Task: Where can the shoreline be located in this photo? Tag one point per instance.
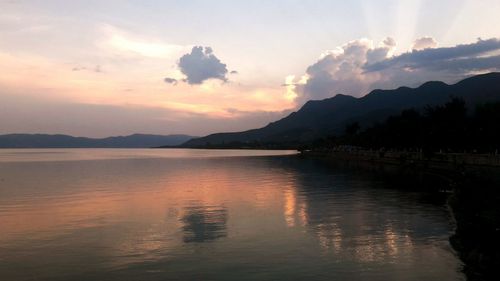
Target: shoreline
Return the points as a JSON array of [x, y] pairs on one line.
[[472, 194]]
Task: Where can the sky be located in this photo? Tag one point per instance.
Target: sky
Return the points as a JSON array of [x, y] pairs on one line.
[[102, 68]]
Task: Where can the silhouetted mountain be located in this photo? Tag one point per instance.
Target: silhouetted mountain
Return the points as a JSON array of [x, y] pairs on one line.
[[65, 141], [318, 118]]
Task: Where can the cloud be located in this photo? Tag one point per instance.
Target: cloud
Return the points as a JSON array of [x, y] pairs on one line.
[[233, 72], [97, 68], [358, 66], [200, 65], [341, 70], [424, 43], [424, 58], [466, 64], [170, 80], [122, 43]]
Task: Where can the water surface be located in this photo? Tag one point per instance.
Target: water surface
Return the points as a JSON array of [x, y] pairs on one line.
[[133, 214]]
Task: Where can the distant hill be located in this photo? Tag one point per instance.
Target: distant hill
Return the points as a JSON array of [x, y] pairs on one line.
[[65, 141], [318, 118]]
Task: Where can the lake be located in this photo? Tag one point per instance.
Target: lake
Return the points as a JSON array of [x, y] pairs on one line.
[[173, 214]]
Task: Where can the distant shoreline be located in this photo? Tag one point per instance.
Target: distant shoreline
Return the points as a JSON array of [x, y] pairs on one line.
[[66, 141], [441, 160]]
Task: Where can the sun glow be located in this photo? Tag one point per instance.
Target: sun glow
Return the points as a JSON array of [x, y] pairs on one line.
[[290, 94], [120, 41]]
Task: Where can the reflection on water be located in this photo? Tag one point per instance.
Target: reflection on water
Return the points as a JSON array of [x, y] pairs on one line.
[[130, 215], [204, 224]]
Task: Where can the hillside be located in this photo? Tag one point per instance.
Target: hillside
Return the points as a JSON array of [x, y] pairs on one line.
[[318, 118], [65, 141]]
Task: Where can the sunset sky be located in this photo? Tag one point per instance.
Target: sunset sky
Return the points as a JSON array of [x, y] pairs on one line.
[[101, 68]]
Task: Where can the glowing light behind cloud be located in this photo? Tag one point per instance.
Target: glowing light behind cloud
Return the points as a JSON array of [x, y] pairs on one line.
[[146, 49]]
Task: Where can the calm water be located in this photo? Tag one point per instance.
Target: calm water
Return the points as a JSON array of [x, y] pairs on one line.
[[118, 214]]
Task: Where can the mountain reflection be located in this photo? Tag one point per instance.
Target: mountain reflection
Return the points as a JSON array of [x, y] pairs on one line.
[[204, 224]]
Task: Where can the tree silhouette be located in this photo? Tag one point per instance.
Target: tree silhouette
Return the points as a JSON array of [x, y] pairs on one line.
[[446, 128]]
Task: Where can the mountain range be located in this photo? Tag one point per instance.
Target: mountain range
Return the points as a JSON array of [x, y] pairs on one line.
[[318, 118], [65, 141]]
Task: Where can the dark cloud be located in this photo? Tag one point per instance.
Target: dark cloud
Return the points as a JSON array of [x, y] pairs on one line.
[[421, 59], [170, 80], [200, 65], [467, 64], [233, 72]]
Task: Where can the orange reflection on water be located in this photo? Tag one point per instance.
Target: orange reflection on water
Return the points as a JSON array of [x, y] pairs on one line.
[[289, 208], [156, 201], [294, 208], [172, 215]]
